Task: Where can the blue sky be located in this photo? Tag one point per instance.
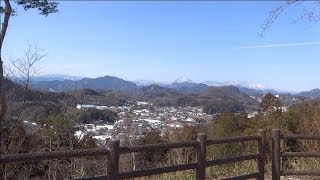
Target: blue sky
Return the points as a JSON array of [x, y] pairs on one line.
[[163, 41]]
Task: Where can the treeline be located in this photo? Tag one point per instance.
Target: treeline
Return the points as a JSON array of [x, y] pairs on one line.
[[213, 99]]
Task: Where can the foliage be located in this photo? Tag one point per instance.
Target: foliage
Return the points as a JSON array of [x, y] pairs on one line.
[[92, 116], [150, 159], [269, 103], [232, 169], [44, 6]]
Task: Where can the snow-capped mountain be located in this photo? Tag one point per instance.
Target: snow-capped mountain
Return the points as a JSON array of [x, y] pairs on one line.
[[251, 85], [54, 77], [215, 83], [247, 84], [144, 82], [187, 81], [150, 82], [182, 84], [183, 79]]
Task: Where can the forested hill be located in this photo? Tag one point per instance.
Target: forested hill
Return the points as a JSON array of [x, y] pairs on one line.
[[311, 93], [35, 103], [100, 83]]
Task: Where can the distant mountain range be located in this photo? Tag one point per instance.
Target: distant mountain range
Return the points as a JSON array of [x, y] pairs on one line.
[[246, 84], [311, 94], [60, 83], [100, 83], [55, 77], [214, 99], [110, 90], [183, 79]]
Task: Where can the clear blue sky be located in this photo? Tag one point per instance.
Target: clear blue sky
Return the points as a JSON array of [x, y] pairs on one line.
[[165, 40]]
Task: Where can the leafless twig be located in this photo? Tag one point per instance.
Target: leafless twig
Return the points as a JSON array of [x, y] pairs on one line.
[[273, 16]]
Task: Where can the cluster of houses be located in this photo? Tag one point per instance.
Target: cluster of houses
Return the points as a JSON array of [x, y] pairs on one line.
[[138, 118], [141, 117]]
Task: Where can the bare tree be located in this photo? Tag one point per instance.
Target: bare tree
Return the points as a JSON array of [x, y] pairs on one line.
[[45, 8], [22, 70]]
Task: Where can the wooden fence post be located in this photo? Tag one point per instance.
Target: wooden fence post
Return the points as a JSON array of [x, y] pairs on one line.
[[113, 160], [276, 154], [201, 156], [261, 151]]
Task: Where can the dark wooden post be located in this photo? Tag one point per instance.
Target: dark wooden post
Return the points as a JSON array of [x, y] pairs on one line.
[[275, 154], [201, 156], [261, 151], [113, 160]]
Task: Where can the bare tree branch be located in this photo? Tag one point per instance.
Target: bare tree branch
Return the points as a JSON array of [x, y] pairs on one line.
[[309, 13], [25, 69], [273, 16]]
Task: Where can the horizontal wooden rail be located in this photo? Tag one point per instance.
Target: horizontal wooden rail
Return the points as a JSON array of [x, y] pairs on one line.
[[301, 136], [95, 178], [277, 171], [232, 159], [157, 147], [300, 154], [232, 139], [156, 171], [36, 156], [301, 173], [114, 151], [246, 176]]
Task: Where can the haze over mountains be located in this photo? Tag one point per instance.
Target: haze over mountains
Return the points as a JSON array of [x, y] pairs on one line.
[[60, 83]]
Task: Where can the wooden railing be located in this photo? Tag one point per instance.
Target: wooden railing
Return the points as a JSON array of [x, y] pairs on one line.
[[114, 151], [277, 154]]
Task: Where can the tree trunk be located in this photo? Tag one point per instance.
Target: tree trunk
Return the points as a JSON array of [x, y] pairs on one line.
[[4, 27], [3, 108]]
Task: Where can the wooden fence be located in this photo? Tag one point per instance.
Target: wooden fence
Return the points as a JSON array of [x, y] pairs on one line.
[[114, 151], [277, 154]]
